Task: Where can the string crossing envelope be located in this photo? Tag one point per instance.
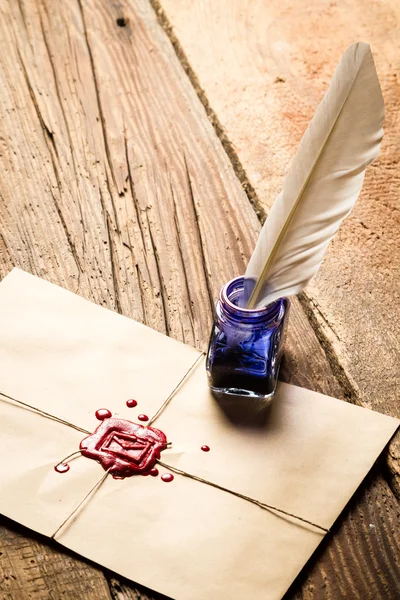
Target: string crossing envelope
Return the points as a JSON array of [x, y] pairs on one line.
[[189, 540]]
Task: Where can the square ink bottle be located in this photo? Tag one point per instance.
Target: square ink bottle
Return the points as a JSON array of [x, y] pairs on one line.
[[245, 348]]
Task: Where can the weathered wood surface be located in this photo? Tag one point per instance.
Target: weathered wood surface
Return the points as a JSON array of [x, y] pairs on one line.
[[35, 568], [264, 66], [115, 185]]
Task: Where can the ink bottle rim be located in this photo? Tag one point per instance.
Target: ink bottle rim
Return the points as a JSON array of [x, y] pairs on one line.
[[227, 308]]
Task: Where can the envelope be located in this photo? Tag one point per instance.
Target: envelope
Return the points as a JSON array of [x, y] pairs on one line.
[[237, 522]]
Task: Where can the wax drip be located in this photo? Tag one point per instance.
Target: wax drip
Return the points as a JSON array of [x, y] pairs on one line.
[[152, 472], [205, 448], [167, 477], [103, 413], [143, 418], [131, 403], [63, 466]]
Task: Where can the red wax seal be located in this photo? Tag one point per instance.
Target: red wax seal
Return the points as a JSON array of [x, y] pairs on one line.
[[123, 447]]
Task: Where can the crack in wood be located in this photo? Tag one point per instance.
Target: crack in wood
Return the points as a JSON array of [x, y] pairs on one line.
[[57, 89], [133, 193], [135, 202], [114, 210], [68, 236], [112, 254], [140, 286], [47, 133], [196, 218], [160, 279], [98, 97], [113, 265], [179, 242], [24, 20]]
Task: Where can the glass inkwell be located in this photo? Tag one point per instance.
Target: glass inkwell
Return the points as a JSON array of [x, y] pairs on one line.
[[245, 347]]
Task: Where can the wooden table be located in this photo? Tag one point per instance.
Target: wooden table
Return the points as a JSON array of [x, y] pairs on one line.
[[141, 187]]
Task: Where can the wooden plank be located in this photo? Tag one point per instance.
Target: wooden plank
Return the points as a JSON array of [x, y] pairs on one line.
[[116, 187], [264, 67], [35, 568]]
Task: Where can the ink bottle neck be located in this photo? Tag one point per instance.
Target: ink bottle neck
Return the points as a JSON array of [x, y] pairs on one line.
[[227, 307]]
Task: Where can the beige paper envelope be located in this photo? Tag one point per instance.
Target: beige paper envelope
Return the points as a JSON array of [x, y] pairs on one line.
[[186, 539]]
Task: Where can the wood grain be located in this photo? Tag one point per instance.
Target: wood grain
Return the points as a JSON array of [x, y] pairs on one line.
[[33, 567], [115, 185], [264, 67]]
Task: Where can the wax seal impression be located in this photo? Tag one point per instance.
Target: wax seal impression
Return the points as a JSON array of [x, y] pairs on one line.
[[124, 448]]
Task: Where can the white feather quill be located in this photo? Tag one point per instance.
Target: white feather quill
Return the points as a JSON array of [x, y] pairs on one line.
[[322, 184]]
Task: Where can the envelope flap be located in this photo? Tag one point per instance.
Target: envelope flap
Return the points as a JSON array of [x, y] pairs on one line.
[[79, 357]]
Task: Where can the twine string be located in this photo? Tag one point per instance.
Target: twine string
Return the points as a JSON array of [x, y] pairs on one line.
[[77, 453], [176, 388], [262, 505], [44, 413], [90, 492], [69, 424]]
